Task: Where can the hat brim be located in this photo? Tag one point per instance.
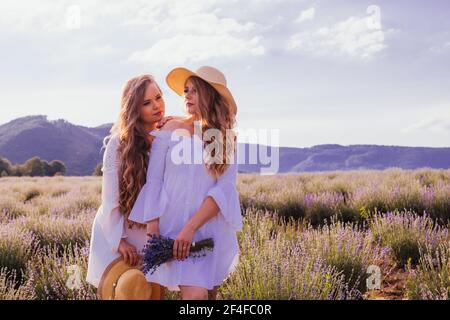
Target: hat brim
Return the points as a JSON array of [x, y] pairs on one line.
[[176, 80], [110, 276]]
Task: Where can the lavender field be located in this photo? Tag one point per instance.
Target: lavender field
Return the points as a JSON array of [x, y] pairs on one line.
[[327, 235]]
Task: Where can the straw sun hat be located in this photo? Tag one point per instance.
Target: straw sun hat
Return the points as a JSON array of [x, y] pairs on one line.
[[121, 281], [176, 80]]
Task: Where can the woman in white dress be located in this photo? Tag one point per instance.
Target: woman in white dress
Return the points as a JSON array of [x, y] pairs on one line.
[[124, 172], [190, 200]]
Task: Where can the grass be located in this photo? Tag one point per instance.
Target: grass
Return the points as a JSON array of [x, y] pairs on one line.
[[406, 232], [279, 262], [319, 196], [431, 279], [53, 275], [31, 194], [59, 232], [16, 248], [8, 288], [305, 236]]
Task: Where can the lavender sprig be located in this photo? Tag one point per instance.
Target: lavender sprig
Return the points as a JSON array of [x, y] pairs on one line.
[[159, 250]]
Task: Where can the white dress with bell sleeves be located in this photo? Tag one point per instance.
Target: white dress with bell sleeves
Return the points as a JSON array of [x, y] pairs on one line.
[[174, 191], [109, 225]]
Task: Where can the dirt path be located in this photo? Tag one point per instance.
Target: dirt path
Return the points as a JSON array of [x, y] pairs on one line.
[[392, 287]]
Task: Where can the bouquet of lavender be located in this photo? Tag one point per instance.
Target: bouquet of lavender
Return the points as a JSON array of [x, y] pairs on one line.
[[159, 249]]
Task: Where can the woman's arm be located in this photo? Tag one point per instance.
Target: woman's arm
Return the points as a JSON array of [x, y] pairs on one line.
[[207, 211], [153, 227], [152, 199], [111, 220], [156, 167], [222, 198]]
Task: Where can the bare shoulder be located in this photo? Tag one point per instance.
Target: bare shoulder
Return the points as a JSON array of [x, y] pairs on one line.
[[173, 124], [177, 118]]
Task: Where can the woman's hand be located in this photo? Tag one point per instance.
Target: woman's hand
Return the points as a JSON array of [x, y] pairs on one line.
[[163, 121], [183, 242], [129, 253]]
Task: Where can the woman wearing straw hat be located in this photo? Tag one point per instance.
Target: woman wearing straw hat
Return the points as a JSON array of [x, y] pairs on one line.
[[115, 240], [189, 200]]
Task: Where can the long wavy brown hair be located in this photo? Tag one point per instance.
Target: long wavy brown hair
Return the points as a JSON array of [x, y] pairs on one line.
[[134, 145], [215, 113]]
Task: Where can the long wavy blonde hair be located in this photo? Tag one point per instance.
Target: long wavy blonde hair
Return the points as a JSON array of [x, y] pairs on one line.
[[134, 145], [215, 113]]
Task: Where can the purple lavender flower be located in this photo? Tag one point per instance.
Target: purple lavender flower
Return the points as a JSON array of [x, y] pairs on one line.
[[159, 250]]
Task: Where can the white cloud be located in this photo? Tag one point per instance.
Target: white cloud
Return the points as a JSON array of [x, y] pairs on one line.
[[192, 33], [18, 16], [103, 50], [185, 31], [183, 48], [440, 48], [305, 15], [48, 17], [203, 23], [352, 38], [431, 124]]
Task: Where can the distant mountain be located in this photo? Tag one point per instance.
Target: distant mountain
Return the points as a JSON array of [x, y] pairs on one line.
[[79, 148], [330, 157]]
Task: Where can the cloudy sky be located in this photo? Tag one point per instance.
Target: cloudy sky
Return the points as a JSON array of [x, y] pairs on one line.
[[346, 72]]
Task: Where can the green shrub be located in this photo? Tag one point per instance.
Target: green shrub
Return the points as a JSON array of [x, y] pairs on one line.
[[431, 280], [57, 231], [16, 248], [31, 194], [59, 275], [405, 232], [9, 289]]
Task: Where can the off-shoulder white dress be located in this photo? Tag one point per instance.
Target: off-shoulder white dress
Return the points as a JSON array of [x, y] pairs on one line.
[[174, 192], [109, 224]]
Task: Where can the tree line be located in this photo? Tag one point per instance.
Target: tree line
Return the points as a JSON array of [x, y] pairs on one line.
[[33, 167]]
